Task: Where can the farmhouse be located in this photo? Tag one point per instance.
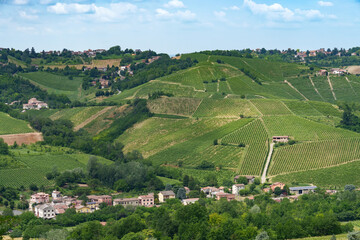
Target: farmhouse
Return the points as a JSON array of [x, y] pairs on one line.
[[338, 71], [236, 188], [302, 190], [210, 191], [146, 200], [228, 196], [164, 195], [322, 72], [189, 201], [127, 201], [83, 209], [38, 198], [45, 211], [283, 139], [277, 184], [33, 103], [100, 199], [60, 208], [104, 83]]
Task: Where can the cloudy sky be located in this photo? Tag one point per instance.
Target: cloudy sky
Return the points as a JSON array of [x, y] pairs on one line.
[[179, 26]]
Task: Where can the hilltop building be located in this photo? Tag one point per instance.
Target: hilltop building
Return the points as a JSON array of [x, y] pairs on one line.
[[33, 103]]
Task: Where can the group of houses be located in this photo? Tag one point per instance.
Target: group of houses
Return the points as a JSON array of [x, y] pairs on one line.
[[102, 82], [333, 71], [33, 103]]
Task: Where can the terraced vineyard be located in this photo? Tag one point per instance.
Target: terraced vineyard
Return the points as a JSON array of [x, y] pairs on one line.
[[11, 125], [225, 108], [255, 137], [175, 106], [271, 107], [314, 155], [301, 129]]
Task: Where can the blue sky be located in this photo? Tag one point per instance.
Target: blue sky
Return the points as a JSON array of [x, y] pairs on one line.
[[179, 26]]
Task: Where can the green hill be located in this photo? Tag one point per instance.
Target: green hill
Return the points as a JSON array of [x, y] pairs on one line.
[[11, 125]]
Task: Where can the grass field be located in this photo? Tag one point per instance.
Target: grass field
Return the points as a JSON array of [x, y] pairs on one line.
[[11, 125], [314, 155], [38, 164], [225, 108], [76, 115], [55, 83], [174, 106]]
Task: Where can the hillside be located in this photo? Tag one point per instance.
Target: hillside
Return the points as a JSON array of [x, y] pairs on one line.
[[11, 125]]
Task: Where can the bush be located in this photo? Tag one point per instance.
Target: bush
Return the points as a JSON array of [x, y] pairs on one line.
[[205, 165], [241, 145], [291, 142], [33, 187], [216, 142]]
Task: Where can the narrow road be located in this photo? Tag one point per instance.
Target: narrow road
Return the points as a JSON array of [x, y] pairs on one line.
[[263, 176], [331, 88], [290, 85]]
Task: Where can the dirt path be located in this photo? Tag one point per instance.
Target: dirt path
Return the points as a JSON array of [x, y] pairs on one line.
[[331, 88], [90, 119], [316, 90], [263, 176], [350, 85], [290, 85], [26, 138]]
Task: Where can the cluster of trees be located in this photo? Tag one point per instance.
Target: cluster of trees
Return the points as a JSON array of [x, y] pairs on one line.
[[349, 120], [144, 73], [315, 214], [159, 94]]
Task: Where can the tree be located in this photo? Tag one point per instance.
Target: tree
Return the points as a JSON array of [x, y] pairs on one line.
[[8, 212], [181, 193], [168, 187], [262, 236], [186, 180], [277, 191], [4, 148], [354, 236], [242, 180], [88, 231], [349, 187]]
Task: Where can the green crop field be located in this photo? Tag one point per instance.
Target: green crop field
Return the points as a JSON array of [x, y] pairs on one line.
[[255, 137], [271, 107], [331, 177], [157, 134], [301, 129], [37, 165], [11, 125], [302, 108], [55, 83], [314, 155], [76, 115], [175, 106], [326, 109], [225, 108]]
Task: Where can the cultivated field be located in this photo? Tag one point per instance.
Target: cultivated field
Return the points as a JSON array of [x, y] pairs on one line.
[[11, 125], [174, 106]]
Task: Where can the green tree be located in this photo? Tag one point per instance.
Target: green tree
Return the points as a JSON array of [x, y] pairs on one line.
[[4, 148], [88, 231], [181, 194]]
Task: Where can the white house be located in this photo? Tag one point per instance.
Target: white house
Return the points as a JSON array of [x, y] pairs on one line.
[[45, 211], [236, 188], [189, 201]]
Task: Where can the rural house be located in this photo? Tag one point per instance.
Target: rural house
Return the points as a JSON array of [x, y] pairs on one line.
[[210, 191], [45, 211], [283, 139], [236, 188], [322, 72], [127, 201], [302, 190], [38, 198], [146, 200], [228, 196], [83, 209], [277, 184], [100, 199], [33, 103], [164, 195], [189, 201]]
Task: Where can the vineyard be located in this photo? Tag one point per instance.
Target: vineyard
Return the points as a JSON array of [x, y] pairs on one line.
[[302, 108], [175, 106], [314, 155], [271, 107], [11, 125], [76, 115], [225, 108], [301, 129], [255, 137]]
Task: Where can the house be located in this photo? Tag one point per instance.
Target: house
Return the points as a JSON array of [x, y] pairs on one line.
[[100, 199], [277, 184], [83, 209], [236, 188], [60, 208], [312, 54], [189, 201], [92, 205], [187, 190], [164, 195], [127, 201], [302, 190], [45, 211], [338, 71], [38, 198], [33, 103], [354, 54], [210, 191], [146, 200], [331, 192], [228, 196], [283, 139], [250, 179], [56, 195], [322, 72]]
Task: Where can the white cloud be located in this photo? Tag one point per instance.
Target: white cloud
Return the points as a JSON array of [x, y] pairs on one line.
[[21, 2], [325, 4], [27, 16], [46, 2], [186, 15], [219, 14], [276, 12], [110, 13], [174, 4], [235, 8]]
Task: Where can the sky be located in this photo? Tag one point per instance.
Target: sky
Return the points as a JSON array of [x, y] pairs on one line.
[[179, 26]]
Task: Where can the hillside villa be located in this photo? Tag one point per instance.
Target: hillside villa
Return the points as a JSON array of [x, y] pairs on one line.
[[45, 211], [164, 195], [33, 103]]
